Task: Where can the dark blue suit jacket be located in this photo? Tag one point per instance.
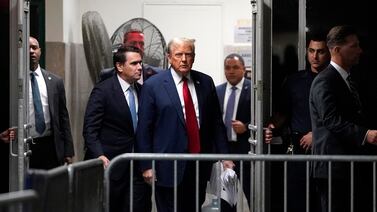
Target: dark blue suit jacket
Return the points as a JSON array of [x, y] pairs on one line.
[[243, 113], [337, 122], [161, 126], [108, 128]]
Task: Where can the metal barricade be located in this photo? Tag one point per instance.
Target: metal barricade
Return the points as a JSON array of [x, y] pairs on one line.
[[77, 187], [87, 186], [52, 187], [263, 161], [18, 200]]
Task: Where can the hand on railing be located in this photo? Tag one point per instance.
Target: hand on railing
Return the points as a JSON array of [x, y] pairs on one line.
[[105, 161], [68, 160]]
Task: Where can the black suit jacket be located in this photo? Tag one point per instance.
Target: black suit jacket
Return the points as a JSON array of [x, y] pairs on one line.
[[60, 123], [337, 122], [108, 128], [243, 113]]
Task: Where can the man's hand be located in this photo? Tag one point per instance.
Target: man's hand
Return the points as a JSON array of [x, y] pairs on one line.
[[228, 164], [149, 176], [68, 160], [306, 141], [8, 135], [372, 137], [105, 161], [238, 127], [268, 133]]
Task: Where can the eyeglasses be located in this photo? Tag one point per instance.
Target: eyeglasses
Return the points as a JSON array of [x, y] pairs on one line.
[[187, 55]]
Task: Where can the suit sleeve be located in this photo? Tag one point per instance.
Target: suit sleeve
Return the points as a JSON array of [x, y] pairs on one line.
[[65, 128], [92, 122], [220, 131], [324, 99], [145, 129]]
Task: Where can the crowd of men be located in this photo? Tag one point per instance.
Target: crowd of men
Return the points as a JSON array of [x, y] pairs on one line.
[[138, 108]]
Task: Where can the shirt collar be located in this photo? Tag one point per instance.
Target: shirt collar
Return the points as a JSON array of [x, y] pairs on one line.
[[125, 85], [37, 72], [177, 77], [340, 70], [239, 84]]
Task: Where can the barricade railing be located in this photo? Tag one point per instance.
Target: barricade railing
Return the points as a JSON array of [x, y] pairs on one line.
[[52, 187], [13, 201], [77, 187], [87, 188], [252, 159]]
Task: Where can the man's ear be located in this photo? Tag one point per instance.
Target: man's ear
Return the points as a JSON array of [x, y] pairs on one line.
[[119, 66]]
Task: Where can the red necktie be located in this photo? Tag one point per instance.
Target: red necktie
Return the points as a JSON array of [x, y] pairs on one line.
[[191, 122]]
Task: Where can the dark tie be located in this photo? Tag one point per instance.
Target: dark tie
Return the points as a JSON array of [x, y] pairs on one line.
[[191, 122], [229, 112], [132, 105], [40, 125], [353, 90]]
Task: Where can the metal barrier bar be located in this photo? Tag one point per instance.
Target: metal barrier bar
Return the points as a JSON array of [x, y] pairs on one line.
[[17, 197], [307, 187], [351, 185], [285, 186], [262, 159], [86, 186]]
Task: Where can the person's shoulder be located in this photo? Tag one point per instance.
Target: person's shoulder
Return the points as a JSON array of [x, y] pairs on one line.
[[200, 75], [157, 78], [247, 81], [221, 86]]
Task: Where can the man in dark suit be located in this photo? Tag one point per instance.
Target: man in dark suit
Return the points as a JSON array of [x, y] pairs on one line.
[[292, 120], [135, 38], [239, 110], [338, 125], [179, 113], [52, 144], [109, 128]]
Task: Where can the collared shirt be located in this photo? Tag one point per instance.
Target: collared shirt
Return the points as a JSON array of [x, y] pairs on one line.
[[44, 98], [125, 85], [228, 91], [342, 72], [179, 85]]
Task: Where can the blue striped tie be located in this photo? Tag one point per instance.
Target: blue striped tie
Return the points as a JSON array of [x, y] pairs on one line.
[[132, 105], [40, 124], [229, 112]]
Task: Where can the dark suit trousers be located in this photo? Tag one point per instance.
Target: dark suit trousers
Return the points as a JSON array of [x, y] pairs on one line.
[[340, 198], [186, 198], [43, 155]]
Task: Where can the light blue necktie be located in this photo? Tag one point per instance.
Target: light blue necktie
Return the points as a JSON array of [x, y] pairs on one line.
[[132, 105], [40, 124], [229, 112]]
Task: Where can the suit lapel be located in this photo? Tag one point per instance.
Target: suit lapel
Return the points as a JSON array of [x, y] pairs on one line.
[[243, 97], [171, 90], [119, 94], [199, 93], [221, 96]]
